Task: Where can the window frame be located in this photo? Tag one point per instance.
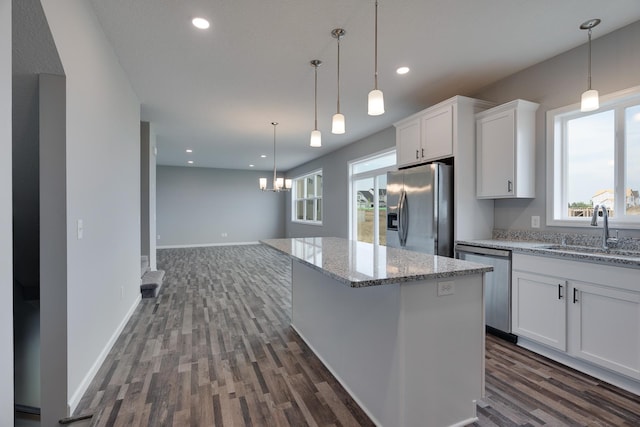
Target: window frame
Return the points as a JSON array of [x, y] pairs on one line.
[[556, 156], [363, 175], [317, 199]]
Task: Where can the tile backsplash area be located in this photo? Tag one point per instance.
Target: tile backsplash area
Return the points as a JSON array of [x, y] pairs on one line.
[[573, 239]]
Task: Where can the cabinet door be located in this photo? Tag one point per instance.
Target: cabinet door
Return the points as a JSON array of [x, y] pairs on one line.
[[496, 155], [605, 327], [539, 309], [437, 133], [408, 143]]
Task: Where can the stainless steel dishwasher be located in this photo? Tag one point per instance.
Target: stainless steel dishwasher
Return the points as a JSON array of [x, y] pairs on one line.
[[497, 292]]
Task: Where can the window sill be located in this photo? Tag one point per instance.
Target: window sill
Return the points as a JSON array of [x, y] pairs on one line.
[[316, 223]]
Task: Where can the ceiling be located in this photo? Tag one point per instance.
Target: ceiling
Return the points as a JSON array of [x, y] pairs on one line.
[[217, 91]]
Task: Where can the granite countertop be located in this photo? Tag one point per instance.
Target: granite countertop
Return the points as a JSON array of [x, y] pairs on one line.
[[614, 256], [359, 264]]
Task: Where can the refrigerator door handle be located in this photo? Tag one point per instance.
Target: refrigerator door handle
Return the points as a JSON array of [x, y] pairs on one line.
[[404, 214], [400, 218], [436, 211]]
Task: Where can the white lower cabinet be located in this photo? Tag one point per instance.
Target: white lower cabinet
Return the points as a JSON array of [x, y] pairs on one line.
[[587, 311], [539, 311], [605, 327]]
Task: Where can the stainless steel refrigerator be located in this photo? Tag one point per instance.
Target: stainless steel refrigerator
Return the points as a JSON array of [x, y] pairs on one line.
[[420, 209]]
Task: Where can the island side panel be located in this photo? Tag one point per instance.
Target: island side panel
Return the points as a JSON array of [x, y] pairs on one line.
[[355, 332], [443, 338]]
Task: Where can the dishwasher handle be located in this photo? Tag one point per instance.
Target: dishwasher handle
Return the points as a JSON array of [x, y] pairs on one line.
[[482, 250]]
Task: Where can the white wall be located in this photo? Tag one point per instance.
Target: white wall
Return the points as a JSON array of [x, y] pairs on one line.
[[103, 189], [558, 82], [335, 181], [196, 205], [6, 275]]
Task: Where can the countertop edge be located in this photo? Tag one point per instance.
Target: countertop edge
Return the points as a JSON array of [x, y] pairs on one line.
[[542, 249], [385, 281]]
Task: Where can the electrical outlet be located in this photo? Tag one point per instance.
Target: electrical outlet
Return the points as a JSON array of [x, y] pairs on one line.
[[158, 237], [535, 221], [121, 292], [446, 288], [224, 234]]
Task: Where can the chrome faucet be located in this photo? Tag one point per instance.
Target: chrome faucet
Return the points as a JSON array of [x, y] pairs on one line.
[[606, 240]]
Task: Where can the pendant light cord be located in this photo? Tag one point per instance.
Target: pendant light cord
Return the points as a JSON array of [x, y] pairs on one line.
[[376, 50], [274, 153], [315, 96], [589, 77], [338, 107]]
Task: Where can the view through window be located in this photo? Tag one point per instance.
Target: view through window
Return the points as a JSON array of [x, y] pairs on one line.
[[590, 147], [368, 206], [307, 198]]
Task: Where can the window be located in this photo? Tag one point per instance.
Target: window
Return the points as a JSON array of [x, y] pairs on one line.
[[594, 159], [307, 198], [368, 195]]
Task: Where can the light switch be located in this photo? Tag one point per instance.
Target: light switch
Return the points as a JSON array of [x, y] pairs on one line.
[[80, 229]]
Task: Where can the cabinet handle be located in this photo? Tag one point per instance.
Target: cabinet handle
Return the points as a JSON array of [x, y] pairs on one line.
[[417, 152], [509, 186], [560, 296], [422, 152], [575, 295]]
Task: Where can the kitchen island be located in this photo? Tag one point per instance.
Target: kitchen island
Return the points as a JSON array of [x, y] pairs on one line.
[[402, 331]]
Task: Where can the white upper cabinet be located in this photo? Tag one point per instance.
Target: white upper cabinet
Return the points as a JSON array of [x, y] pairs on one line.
[[437, 133], [429, 135], [425, 137], [505, 138], [408, 143]]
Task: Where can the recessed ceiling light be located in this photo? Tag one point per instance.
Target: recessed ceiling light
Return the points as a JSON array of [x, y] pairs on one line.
[[200, 23], [189, 150], [263, 155], [190, 162], [402, 70], [251, 166]]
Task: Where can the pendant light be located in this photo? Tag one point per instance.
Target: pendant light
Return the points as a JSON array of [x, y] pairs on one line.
[[337, 123], [590, 101], [279, 184], [376, 99], [316, 136]]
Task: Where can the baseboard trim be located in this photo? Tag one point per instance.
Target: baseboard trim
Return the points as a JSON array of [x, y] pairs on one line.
[[204, 245], [86, 381], [465, 422]]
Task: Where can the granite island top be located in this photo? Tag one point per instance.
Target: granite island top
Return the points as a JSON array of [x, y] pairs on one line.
[[359, 264], [615, 256]]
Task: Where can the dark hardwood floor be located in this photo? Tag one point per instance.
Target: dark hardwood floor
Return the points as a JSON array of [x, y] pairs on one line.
[[215, 349]]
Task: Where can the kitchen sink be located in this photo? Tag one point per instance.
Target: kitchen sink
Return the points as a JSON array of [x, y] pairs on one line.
[[590, 250]]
